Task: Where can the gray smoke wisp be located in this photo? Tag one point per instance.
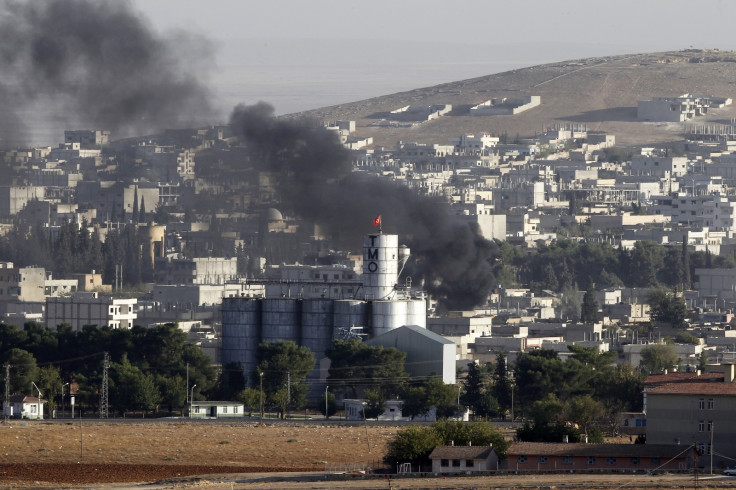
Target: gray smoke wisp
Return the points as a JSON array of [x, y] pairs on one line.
[[316, 183], [95, 63]]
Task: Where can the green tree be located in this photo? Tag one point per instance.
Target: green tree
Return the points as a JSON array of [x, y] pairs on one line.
[[475, 386], [502, 387], [415, 443], [415, 402], [131, 389], [173, 391], [667, 307], [686, 338], [583, 410], [441, 396], [477, 433], [589, 308], [685, 266], [355, 367], [283, 363], [135, 217], [657, 357], [412, 444], [375, 403], [23, 370], [49, 381], [331, 404], [538, 374], [703, 361], [570, 303], [280, 399], [251, 398]]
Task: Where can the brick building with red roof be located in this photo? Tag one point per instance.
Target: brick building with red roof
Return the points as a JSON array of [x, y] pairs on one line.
[[545, 456]]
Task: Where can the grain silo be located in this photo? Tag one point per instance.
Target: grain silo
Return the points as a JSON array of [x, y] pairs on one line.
[[379, 307]]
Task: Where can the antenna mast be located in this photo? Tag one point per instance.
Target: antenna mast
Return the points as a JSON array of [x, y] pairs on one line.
[[103, 390]]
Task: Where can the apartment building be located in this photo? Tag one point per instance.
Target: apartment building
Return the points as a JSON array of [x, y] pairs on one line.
[[91, 308], [694, 409]]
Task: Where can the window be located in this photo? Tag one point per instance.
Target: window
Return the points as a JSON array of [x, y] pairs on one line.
[[469, 463], [701, 426], [611, 461], [655, 461], [590, 460], [444, 462], [224, 409], [711, 403], [567, 460], [235, 409], [710, 425], [456, 463], [701, 403], [635, 461], [521, 459], [541, 459]]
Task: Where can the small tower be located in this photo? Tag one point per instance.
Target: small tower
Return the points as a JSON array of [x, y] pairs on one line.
[[380, 266]]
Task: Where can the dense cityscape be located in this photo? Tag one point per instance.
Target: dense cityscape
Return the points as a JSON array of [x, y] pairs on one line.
[[506, 303]]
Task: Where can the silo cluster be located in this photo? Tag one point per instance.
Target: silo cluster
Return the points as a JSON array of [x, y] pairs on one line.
[[314, 323]]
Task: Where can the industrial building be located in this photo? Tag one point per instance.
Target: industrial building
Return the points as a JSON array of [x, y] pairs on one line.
[[379, 306]]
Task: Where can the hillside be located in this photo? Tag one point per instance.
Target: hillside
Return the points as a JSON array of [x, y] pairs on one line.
[[600, 92]]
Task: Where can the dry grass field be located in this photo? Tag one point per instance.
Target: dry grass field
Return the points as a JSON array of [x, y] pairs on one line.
[[145, 451], [238, 454]]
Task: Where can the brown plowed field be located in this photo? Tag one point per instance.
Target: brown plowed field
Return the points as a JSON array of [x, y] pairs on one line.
[[99, 452]]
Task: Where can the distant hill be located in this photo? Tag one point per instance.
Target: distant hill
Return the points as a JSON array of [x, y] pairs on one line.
[[600, 92]]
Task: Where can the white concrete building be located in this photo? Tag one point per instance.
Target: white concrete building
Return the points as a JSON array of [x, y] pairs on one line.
[[200, 270], [663, 167], [85, 308], [21, 283], [505, 106]]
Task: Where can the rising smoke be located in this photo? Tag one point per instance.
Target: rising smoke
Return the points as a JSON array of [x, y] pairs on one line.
[[95, 64], [317, 184]]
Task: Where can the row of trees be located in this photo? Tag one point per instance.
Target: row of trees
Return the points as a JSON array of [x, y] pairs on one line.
[[567, 263], [586, 390], [148, 368], [357, 370], [76, 250]]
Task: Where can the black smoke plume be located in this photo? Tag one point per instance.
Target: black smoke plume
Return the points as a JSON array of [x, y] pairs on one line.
[[95, 63], [317, 184]]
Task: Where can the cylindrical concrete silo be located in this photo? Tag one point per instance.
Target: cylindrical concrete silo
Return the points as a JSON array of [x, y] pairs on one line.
[[416, 312], [241, 332], [349, 313], [281, 320], [317, 317], [380, 266], [387, 315]]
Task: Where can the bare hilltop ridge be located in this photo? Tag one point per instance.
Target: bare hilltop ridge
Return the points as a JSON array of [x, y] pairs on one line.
[[601, 93]]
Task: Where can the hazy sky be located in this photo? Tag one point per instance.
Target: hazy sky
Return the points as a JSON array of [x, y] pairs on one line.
[[628, 23], [301, 54]]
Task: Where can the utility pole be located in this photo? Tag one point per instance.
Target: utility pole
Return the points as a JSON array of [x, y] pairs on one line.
[[288, 392], [103, 390], [326, 412], [6, 405], [187, 393], [261, 374], [712, 428]]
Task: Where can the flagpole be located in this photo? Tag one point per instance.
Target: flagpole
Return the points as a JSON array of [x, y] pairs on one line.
[[380, 225]]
